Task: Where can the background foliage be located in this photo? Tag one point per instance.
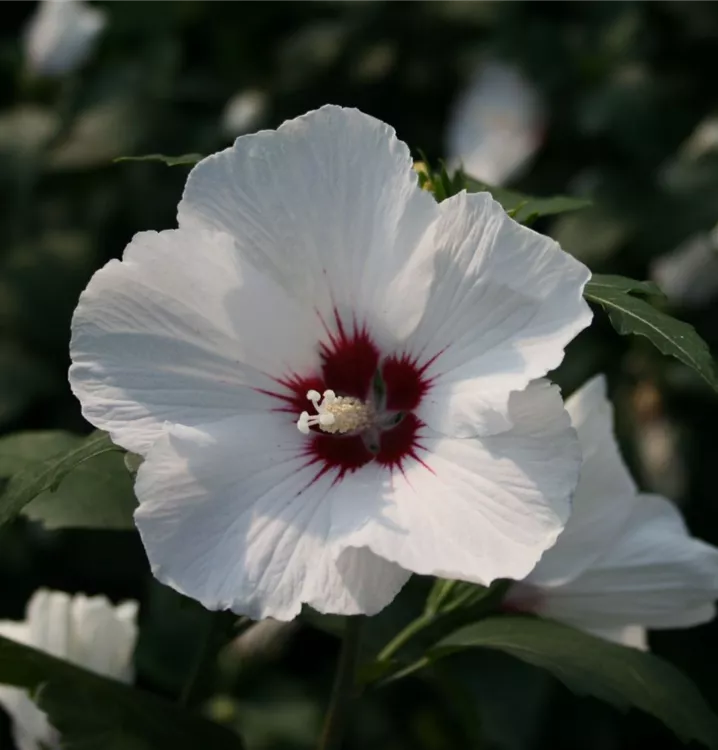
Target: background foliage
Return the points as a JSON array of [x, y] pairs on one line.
[[626, 86]]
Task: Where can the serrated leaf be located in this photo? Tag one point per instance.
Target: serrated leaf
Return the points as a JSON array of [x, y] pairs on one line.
[[80, 484], [587, 665], [600, 281], [632, 315], [526, 208], [170, 161], [97, 713]]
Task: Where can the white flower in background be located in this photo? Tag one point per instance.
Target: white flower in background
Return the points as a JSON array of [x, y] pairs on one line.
[[312, 284], [61, 35], [496, 125], [689, 274], [244, 112], [625, 561], [87, 631]]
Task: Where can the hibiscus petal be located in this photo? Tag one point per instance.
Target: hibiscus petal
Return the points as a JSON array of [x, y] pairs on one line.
[[233, 515], [604, 498], [104, 635], [328, 205], [633, 636], [655, 575], [181, 331], [476, 509], [496, 125], [501, 304]]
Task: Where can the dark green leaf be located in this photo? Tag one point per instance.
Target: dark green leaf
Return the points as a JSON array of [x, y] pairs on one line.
[[622, 676], [525, 208], [632, 315], [96, 713], [170, 161], [65, 480]]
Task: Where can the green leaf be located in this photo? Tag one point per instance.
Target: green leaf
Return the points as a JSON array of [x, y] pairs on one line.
[[96, 713], [610, 282], [632, 315], [587, 665], [170, 161], [525, 208], [64, 480], [132, 463]]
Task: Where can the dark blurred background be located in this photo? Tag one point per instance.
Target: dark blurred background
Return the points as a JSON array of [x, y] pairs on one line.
[[629, 93]]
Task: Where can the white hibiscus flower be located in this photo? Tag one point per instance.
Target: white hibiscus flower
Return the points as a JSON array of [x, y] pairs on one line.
[[87, 631], [625, 561], [313, 284], [496, 125], [61, 35]]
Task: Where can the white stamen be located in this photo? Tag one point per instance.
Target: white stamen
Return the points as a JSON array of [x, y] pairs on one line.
[[335, 413]]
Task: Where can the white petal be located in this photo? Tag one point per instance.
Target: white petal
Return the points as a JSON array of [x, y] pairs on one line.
[[328, 205], [604, 498], [500, 302], [31, 729], [61, 35], [476, 509], [496, 124], [232, 515], [655, 575], [88, 631], [81, 630], [50, 623], [15, 631], [182, 331], [30, 725], [243, 112], [633, 636], [104, 636]]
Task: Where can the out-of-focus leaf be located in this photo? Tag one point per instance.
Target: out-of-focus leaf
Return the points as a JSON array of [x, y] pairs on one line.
[[170, 161], [23, 377], [25, 130], [622, 676], [97, 134], [632, 315], [64, 480], [95, 713]]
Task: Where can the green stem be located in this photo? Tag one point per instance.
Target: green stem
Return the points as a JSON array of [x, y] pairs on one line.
[[205, 653], [404, 636], [218, 628], [344, 689]]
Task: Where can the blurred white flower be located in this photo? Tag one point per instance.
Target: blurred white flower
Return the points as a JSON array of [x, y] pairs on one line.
[[688, 275], [312, 284], [625, 561], [87, 631], [244, 112], [61, 35], [496, 125]]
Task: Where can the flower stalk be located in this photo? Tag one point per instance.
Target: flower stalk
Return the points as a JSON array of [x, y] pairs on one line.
[[344, 690]]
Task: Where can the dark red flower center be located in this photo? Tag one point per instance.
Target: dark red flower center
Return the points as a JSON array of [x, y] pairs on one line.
[[391, 386]]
